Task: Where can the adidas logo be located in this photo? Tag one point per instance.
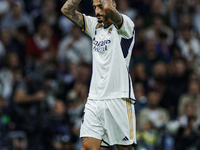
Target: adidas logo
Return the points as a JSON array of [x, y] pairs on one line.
[[125, 139]]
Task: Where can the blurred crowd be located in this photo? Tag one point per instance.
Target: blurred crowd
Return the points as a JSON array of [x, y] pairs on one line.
[[45, 72]]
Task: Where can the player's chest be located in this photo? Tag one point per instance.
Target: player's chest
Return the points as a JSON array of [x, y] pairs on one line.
[[103, 39]]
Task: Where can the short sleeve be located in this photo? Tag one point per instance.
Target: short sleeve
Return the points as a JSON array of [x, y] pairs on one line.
[[127, 27], [89, 25]]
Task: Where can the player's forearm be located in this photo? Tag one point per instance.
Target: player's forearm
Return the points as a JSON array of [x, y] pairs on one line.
[[24, 98], [112, 12], [69, 10], [70, 7]]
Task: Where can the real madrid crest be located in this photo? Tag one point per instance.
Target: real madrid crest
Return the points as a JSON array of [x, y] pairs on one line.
[[109, 31]]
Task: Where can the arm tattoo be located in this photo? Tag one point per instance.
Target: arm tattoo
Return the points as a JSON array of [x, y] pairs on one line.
[[103, 2], [112, 13], [116, 20], [72, 5], [69, 10], [85, 139], [74, 2], [72, 14]]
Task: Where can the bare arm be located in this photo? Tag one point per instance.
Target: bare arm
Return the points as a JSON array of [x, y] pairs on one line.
[[112, 12], [21, 97], [69, 10]]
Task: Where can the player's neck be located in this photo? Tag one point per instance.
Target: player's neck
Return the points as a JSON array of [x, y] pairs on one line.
[[107, 23]]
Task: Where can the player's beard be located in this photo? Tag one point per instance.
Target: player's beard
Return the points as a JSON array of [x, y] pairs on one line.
[[105, 18], [100, 21]]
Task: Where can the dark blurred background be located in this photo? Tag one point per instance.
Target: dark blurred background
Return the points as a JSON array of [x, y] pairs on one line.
[[45, 71]]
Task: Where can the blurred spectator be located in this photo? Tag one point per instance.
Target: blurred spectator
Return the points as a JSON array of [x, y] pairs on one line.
[[4, 8], [194, 76], [184, 22], [4, 123], [84, 73], [189, 45], [2, 52], [151, 120], [139, 22], [27, 110], [71, 47], [51, 83], [163, 48], [124, 8], [49, 15], [176, 52], [140, 95], [17, 140], [33, 6], [159, 73], [15, 43], [19, 43], [153, 114], [149, 56], [139, 74], [77, 98], [76, 74], [193, 96], [65, 25], [159, 27], [189, 110], [17, 18], [176, 55], [61, 126], [67, 75], [158, 7], [194, 11], [187, 136], [142, 5], [9, 74], [140, 38], [6, 39], [159, 81], [176, 10], [42, 41], [177, 85]]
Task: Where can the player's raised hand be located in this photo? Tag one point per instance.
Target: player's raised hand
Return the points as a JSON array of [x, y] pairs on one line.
[[109, 7]]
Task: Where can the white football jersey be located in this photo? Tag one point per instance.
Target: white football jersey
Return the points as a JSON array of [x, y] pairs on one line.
[[112, 49]]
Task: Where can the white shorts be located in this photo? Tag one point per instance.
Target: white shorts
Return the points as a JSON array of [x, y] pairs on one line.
[[111, 120]]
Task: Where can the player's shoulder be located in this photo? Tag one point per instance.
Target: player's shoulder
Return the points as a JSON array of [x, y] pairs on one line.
[[127, 26], [126, 18], [90, 18]]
